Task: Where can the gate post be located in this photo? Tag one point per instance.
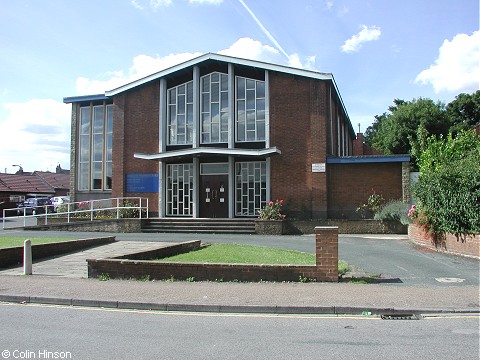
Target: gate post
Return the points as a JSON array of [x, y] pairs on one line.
[[326, 240]]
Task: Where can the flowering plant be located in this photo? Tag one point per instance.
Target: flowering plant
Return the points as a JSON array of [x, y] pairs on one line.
[[272, 211]]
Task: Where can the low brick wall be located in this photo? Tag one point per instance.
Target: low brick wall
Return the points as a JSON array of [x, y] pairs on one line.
[[325, 269], [347, 226], [101, 225], [469, 246], [13, 256]]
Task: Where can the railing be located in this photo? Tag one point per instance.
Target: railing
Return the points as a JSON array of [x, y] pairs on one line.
[[113, 208]]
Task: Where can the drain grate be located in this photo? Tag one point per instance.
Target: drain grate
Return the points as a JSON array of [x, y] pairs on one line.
[[401, 317]]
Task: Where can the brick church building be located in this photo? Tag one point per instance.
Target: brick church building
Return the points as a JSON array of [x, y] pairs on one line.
[[219, 137]]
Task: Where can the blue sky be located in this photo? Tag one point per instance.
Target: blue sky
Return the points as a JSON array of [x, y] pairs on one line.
[[377, 50]]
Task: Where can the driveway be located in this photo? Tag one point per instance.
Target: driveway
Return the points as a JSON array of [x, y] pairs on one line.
[[390, 255]]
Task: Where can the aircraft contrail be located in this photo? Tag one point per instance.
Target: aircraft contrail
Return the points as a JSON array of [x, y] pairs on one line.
[[264, 29]]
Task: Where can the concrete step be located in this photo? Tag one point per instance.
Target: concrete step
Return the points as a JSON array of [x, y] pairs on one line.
[[189, 225]]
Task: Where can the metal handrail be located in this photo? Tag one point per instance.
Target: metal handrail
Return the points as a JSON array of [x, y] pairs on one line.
[[139, 203]]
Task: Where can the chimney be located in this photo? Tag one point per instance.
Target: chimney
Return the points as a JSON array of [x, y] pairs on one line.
[[358, 145]]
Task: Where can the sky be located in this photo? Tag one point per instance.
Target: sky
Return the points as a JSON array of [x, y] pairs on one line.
[[377, 51]]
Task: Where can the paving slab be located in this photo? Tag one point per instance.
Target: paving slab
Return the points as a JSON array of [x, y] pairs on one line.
[[75, 265]]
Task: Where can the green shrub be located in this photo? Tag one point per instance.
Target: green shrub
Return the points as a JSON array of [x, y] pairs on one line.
[[394, 210], [374, 203]]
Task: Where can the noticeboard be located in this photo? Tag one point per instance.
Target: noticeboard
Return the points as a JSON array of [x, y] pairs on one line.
[[141, 183]]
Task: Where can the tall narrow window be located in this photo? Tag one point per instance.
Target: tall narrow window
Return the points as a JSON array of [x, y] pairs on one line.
[[250, 98], [180, 114], [108, 147], [84, 149], [95, 148], [250, 187], [214, 108], [180, 189]]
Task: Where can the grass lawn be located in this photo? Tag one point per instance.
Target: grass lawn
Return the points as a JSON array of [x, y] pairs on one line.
[[9, 241], [246, 254]]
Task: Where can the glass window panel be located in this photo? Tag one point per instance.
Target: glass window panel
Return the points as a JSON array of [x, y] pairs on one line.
[[261, 130], [108, 176], [98, 121], [250, 84], [181, 104], [224, 136], [251, 120], [206, 84], [84, 148], [189, 113], [109, 148], [97, 176], [241, 110], [173, 114], [109, 119], [172, 99], [215, 132], [215, 77], [85, 120], [240, 88], [224, 82], [214, 168], [215, 113], [250, 135], [97, 147], [215, 92], [83, 176], [190, 92], [260, 115], [181, 90], [241, 131], [260, 89], [250, 99], [224, 101], [260, 104], [205, 102]]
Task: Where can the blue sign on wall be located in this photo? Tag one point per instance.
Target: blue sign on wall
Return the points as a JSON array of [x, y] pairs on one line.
[[142, 183]]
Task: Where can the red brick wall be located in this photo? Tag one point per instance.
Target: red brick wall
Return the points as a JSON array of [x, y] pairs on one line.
[[469, 246], [350, 185], [325, 269], [298, 114], [136, 130]]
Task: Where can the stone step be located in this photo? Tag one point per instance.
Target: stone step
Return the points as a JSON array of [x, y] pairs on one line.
[[189, 225]]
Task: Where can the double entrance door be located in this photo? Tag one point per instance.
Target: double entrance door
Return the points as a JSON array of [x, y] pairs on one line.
[[214, 196]]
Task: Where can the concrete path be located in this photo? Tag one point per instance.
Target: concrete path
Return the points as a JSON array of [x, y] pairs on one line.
[[75, 265]]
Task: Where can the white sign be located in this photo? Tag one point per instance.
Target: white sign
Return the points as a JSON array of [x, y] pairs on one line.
[[319, 168]]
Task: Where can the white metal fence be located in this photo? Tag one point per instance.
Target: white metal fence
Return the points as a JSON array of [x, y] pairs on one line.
[[113, 208]]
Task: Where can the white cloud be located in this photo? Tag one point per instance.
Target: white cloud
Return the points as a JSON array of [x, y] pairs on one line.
[[356, 41], [35, 134], [457, 66], [144, 65]]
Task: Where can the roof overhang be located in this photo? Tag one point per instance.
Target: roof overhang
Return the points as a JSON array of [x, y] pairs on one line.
[[368, 159], [207, 151], [82, 98]]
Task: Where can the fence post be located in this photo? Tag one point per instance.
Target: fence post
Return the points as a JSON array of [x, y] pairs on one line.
[[27, 257], [118, 208], [326, 238], [91, 210], [68, 212]]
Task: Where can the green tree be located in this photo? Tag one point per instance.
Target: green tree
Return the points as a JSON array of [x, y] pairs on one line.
[[448, 189], [464, 111], [395, 132]]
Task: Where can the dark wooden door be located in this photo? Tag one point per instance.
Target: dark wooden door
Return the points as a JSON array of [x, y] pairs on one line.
[[214, 196]]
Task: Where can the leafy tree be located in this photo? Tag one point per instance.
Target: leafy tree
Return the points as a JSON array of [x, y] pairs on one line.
[[464, 111], [448, 189], [395, 131]]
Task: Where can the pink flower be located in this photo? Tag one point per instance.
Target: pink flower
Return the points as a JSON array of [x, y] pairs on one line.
[[281, 201], [270, 203]]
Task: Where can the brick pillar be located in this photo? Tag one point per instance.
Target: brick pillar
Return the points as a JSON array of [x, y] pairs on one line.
[[326, 239], [406, 182]]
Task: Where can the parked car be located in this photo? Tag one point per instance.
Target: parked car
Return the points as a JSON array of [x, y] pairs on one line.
[[59, 200], [34, 206]]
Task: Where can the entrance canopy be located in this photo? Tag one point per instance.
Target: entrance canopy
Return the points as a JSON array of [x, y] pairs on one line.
[[206, 151]]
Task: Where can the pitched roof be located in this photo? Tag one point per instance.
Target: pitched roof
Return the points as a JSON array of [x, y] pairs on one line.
[[54, 180], [23, 184]]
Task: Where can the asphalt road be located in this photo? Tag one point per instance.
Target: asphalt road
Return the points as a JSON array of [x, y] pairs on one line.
[[391, 256], [86, 333]]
